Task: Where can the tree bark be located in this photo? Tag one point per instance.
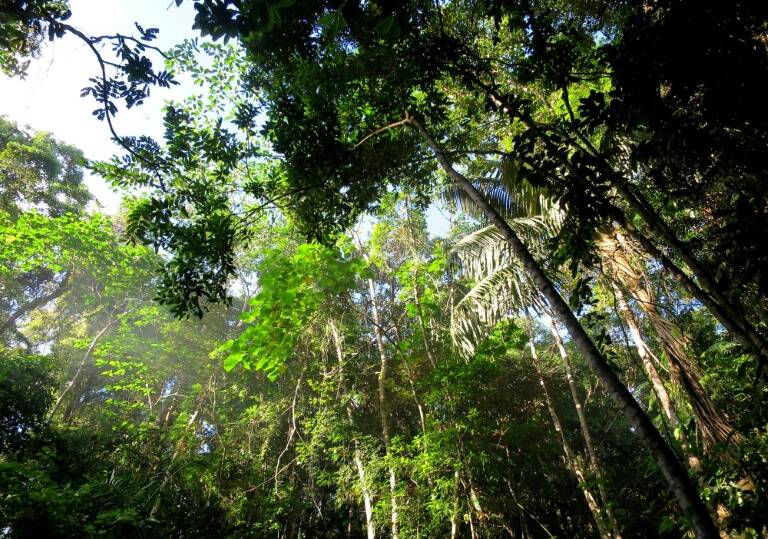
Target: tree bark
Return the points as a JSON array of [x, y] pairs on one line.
[[713, 425], [358, 460], [417, 300], [676, 476], [80, 367], [383, 405], [572, 461], [367, 500], [694, 463], [707, 290], [592, 456]]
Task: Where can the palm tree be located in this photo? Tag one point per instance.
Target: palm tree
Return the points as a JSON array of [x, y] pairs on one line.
[[503, 289]]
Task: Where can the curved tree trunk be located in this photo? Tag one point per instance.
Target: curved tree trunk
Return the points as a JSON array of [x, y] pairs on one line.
[[687, 496]]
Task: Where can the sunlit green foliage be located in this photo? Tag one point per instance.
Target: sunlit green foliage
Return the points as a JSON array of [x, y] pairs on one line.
[[291, 293], [390, 380]]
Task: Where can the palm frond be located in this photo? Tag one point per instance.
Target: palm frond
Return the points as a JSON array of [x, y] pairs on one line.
[[487, 303], [502, 182], [502, 286]]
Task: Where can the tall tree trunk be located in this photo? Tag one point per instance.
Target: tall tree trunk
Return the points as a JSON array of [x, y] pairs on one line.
[[653, 375], [412, 384], [594, 459], [383, 405], [706, 290], [417, 300], [455, 509], [422, 324], [571, 459], [676, 476], [713, 425], [357, 455], [742, 328]]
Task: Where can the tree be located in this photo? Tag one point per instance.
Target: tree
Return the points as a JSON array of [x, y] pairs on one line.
[[361, 101], [23, 27], [39, 173], [352, 57]]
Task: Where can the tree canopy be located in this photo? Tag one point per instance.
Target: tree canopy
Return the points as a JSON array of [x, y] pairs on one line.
[[267, 340]]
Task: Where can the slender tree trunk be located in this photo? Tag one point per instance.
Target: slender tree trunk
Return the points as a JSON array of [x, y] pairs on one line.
[[685, 492], [474, 502], [571, 459], [745, 330], [729, 313], [417, 300], [422, 325], [713, 425], [292, 429], [80, 367], [367, 498], [592, 456], [472, 532], [455, 510], [419, 407], [412, 384], [694, 464], [383, 405]]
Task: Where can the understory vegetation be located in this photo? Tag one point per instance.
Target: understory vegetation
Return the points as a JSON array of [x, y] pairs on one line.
[[269, 339]]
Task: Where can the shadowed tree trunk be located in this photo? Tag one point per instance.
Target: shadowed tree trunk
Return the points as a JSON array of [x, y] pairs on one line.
[[571, 459], [675, 474], [704, 288], [713, 425], [594, 459], [653, 375]]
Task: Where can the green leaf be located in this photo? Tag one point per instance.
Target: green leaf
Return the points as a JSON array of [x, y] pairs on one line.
[[232, 360]]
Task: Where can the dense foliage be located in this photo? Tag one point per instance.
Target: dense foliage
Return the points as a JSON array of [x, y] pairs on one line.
[[581, 355]]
